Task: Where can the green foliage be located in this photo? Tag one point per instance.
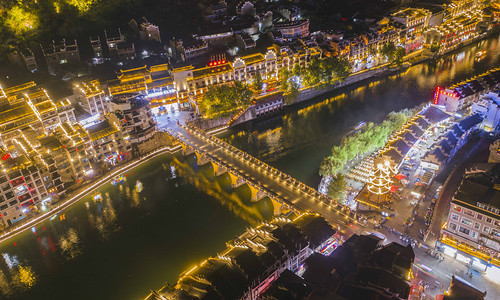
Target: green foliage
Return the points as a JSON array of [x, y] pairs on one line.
[[398, 56], [372, 137], [318, 72], [257, 81], [222, 100], [393, 54], [336, 188], [388, 50]]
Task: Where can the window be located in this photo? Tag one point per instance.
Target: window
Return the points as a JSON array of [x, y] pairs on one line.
[[467, 221], [464, 230], [495, 232], [453, 226], [457, 208], [474, 234], [476, 225], [486, 229], [468, 212], [455, 217], [479, 217], [488, 220]]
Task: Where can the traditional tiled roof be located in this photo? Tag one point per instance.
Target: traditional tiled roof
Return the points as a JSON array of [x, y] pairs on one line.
[[470, 121]]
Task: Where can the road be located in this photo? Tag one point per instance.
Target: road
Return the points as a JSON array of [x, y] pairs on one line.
[[294, 192]]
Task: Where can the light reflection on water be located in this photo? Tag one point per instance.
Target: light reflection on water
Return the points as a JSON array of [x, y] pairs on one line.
[[132, 241], [296, 141], [118, 243]]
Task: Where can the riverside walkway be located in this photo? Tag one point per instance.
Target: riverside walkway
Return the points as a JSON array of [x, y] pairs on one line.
[[283, 189]]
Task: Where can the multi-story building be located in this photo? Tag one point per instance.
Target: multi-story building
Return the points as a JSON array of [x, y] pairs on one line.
[[62, 57], [29, 60], [108, 145], [134, 113], [69, 146], [189, 50], [254, 260], [361, 268], [462, 95], [149, 31], [415, 20], [95, 42], [118, 47], [291, 30], [90, 96], [488, 106], [27, 106], [28, 181], [472, 230], [148, 81], [454, 31], [459, 7]]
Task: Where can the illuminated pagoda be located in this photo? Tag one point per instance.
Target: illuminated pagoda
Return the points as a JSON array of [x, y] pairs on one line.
[[380, 182]]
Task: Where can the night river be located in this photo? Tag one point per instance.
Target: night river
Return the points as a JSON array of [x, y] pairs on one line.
[[135, 240]]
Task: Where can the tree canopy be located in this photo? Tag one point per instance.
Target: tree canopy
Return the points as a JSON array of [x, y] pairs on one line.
[[336, 188], [370, 138], [222, 100], [393, 54]]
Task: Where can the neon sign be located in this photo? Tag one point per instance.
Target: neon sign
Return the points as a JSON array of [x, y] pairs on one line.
[[436, 95]]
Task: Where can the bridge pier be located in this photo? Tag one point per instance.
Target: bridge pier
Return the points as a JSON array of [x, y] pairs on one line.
[[218, 170], [257, 194], [236, 181], [202, 159], [279, 206], [186, 150]]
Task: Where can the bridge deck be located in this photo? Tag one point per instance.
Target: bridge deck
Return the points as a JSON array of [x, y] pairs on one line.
[[290, 190]]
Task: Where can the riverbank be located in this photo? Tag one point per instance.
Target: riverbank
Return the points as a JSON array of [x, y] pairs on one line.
[[373, 74], [85, 191]]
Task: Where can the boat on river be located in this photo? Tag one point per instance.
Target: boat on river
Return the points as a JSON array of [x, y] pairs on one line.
[[480, 55], [138, 186], [118, 180], [359, 126], [97, 197]]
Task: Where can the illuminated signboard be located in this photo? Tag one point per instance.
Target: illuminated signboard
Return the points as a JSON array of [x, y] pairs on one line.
[[436, 95]]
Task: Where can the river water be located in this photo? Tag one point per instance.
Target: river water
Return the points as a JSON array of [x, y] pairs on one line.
[[131, 241]]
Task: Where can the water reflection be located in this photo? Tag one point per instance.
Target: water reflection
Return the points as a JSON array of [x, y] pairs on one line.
[[70, 244], [297, 141], [15, 277], [237, 201]]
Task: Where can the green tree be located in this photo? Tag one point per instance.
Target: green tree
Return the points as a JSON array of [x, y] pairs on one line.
[[336, 188], [399, 54], [223, 100], [388, 50], [257, 81]]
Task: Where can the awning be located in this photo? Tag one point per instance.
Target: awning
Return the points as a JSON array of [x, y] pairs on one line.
[[400, 176], [394, 188]]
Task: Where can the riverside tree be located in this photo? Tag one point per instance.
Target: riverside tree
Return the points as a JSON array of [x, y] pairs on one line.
[[336, 188], [393, 54], [222, 100], [257, 81], [353, 147]]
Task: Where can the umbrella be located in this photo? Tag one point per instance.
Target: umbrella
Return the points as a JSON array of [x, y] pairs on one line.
[[394, 188]]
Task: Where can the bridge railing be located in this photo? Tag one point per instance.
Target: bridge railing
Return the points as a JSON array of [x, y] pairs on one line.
[[237, 172], [313, 193], [269, 169]]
